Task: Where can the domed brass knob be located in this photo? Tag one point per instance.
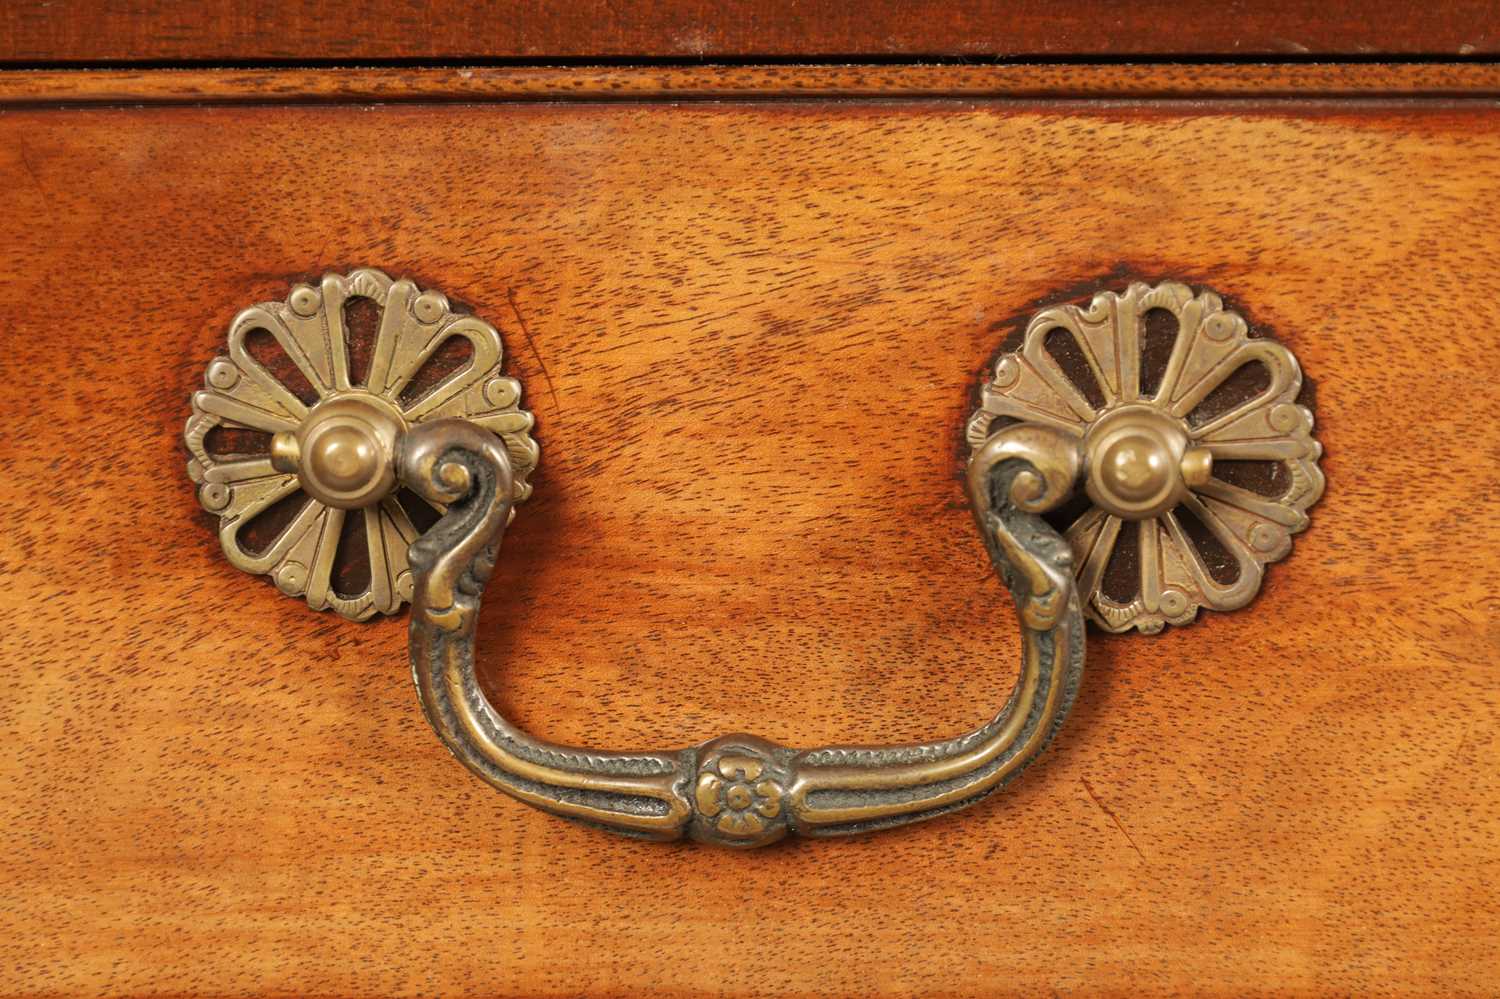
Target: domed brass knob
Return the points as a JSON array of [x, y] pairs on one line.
[[344, 453], [1140, 463]]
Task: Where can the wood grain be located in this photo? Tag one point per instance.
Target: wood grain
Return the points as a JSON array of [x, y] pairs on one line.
[[218, 30], [1028, 82], [750, 333]]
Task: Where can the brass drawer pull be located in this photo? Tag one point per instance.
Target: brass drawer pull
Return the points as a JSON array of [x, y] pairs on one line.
[[1137, 453]]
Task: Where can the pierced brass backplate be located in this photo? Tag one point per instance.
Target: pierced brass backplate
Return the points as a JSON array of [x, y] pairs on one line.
[[327, 439], [1162, 420]]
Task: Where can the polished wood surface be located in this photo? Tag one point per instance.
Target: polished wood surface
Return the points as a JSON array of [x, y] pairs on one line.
[[750, 333], [37, 31]]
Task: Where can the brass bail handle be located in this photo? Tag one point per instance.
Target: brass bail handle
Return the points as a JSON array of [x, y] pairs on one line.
[[740, 790], [1140, 457]]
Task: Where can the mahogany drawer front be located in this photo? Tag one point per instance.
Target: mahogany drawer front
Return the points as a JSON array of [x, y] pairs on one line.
[[749, 331]]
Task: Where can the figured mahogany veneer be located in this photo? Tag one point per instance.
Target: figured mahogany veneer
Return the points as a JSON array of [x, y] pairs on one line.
[[750, 332]]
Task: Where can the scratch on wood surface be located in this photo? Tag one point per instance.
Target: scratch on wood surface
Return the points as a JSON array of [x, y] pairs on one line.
[[1112, 817], [35, 179], [510, 296]]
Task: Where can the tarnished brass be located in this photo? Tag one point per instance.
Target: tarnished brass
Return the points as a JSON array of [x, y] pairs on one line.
[[1138, 457], [344, 452], [1151, 444], [741, 790], [1139, 463], [339, 449]]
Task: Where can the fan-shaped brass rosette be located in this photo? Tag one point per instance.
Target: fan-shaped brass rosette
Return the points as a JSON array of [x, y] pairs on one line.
[[1199, 462], [298, 414]]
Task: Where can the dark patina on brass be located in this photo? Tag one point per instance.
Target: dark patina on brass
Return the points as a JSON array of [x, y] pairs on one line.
[[1035, 439]]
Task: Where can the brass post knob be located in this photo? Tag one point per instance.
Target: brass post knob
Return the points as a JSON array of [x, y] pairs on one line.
[[344, 451]]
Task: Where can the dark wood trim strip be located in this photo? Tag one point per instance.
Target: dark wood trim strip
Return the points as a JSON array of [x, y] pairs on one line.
[[491, 84]]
